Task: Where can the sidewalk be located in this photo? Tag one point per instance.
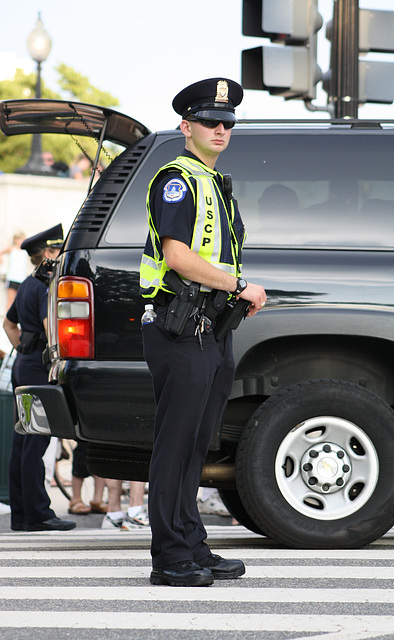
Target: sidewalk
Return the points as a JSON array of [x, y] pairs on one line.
[[59, 504]]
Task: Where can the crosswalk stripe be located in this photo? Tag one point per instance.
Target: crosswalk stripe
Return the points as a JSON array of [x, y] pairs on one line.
[[73, 562], [273, 571], [192, 621], [243, 553], [213, 594], [237, 532], [214, 532]]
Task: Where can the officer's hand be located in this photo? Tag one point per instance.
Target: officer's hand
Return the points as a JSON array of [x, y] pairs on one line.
[[255, 293]]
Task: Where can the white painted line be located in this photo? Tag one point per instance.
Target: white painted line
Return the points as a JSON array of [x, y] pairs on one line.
[[243, 554], [355, 627], [230, 533], [212, 594], [98, 535], [130, 571]]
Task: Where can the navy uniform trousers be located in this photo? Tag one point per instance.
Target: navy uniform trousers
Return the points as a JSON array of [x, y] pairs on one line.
[[191, 387], [29, 501]]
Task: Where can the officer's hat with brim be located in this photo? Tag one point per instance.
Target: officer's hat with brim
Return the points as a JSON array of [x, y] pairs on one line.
[[46, 239], [212, 99]]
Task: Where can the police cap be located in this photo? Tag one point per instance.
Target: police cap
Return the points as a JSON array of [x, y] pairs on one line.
[[213, 99], [50, 238]]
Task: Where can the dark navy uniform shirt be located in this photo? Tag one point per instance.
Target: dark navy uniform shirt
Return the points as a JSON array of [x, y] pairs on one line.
[[173, 219], [29, 308]]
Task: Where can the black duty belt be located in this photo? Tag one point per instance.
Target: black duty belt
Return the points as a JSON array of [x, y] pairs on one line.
[[30, 342], [164, 297]]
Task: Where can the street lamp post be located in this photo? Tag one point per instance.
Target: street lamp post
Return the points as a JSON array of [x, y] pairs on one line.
[[39, 45]]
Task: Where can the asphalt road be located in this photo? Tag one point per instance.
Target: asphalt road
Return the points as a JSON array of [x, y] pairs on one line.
[[94, 583], [91, 583]]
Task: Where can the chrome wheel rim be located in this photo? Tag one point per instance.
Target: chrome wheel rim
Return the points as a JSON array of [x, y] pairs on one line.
[[326, 468]]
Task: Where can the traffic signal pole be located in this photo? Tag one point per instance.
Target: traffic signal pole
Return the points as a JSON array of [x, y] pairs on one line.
[[345, 44]]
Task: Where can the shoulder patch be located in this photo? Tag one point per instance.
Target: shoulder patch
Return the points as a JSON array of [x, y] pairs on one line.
[[174, 190]]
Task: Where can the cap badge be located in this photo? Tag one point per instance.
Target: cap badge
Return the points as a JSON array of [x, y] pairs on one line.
[[221, 91]]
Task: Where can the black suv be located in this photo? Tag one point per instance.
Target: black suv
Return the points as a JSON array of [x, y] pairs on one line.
[[306, 448]]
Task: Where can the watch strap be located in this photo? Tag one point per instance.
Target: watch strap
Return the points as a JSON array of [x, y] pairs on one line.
[[241, 286]]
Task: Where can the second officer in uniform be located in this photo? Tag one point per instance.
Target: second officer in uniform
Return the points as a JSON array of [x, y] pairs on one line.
[[25, 324]]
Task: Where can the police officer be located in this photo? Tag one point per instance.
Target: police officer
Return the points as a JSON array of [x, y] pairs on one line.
[[26, 325], [195, 230]]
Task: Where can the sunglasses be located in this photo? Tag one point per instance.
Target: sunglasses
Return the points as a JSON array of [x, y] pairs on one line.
[[212, 124]]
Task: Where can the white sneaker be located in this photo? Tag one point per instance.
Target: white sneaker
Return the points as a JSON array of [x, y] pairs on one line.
[[212, 506], [4, 509], [139, 521], [109, 523]]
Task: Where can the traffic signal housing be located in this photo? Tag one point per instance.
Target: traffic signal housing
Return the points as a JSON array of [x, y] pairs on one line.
[[375, 79], [289, 67]]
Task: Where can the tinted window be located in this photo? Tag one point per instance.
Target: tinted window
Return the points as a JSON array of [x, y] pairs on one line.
[[129, 225], [293, 189], [315, 189]]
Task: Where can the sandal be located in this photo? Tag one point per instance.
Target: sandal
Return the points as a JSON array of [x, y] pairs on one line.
[[99, 507], [79, 508]]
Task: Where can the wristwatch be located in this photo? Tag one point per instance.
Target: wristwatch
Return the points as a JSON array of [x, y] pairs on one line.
[[241, 286]]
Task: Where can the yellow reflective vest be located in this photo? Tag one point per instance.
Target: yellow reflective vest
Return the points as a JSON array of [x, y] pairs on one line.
[[218, 234]]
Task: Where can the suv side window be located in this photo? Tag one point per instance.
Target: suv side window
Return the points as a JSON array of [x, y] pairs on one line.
[[313, 189], [293, 189]]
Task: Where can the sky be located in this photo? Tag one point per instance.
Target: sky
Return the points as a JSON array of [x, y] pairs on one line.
[[144, 52]]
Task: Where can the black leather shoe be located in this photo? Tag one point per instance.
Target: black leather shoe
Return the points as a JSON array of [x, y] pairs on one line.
[[53, 524], [182, 574], [18, 526], [221, 568]]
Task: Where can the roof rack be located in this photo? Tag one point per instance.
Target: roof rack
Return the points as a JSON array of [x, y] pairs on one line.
[[349, 122]]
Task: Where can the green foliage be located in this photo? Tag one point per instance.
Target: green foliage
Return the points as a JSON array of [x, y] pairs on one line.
[[15, 150], [22, 86], [78, 88]]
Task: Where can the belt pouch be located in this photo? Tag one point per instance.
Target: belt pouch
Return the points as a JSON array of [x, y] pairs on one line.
[[28, 341], [231, 317]]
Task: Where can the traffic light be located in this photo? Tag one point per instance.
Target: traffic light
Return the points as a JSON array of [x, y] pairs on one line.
[[289, 67], [375, 78], [376, 30]]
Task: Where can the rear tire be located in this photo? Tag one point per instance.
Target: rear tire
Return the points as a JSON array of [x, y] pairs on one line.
[[314, 466]]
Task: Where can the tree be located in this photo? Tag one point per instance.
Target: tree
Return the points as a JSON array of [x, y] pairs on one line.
[[15, 150], [78, 88]]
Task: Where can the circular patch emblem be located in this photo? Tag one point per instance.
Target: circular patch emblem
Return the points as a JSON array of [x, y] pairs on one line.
[[174, 190]]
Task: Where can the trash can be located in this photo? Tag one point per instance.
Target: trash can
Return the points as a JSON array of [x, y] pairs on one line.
[[6, 432]]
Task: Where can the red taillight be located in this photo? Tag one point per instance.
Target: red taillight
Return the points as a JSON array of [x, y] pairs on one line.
[[75, 318]]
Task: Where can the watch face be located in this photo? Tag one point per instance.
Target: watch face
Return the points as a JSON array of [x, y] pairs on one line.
[[241, 285]]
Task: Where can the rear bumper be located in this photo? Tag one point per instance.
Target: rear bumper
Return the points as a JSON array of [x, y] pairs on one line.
[[44, 410], [109, 401]]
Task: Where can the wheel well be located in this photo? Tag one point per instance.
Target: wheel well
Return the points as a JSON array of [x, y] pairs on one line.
[[274, 365]]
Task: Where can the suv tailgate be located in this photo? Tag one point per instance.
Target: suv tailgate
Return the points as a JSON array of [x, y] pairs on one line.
[[75, 118]]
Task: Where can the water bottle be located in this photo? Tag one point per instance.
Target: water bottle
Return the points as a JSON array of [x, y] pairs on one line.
[[149, 315]]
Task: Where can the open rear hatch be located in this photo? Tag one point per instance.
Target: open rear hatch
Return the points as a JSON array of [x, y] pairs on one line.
[[76, 118], [73, 118]]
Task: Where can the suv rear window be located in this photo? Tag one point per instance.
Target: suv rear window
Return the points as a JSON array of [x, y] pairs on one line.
[[294, 188], [129, 224]]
